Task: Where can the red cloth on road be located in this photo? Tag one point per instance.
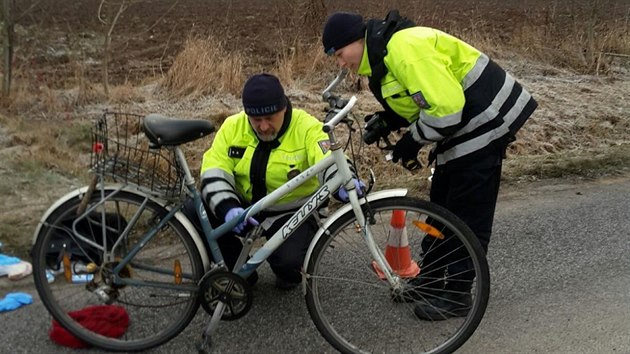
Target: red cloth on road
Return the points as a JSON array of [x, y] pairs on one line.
[[108, 320]]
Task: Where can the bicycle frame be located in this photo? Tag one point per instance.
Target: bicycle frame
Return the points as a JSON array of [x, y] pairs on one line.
[[343, 177]]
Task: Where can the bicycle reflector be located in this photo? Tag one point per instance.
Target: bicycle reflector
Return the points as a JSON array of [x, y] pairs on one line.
[[67, 267], [97, 147], [177, 269], [430, 230]]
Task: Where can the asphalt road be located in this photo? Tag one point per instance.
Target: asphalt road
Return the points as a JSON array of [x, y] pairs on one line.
[[560, 266]]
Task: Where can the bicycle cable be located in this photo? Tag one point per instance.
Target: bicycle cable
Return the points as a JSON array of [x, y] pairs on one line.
[[369, 213]]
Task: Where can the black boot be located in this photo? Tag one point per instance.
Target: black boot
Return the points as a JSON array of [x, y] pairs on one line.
[[252, 279], [284, 284], [455, 300], [444, 306], [424, 286], [430, 281]]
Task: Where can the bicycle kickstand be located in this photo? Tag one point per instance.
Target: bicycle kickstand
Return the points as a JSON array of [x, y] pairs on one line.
[[205, 345], [206, 341]]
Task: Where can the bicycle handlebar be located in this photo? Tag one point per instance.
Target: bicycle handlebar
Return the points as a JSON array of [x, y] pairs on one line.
[[340, 115], [326, 94]]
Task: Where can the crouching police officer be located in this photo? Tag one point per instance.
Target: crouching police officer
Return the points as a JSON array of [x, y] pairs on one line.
[[255, 152]]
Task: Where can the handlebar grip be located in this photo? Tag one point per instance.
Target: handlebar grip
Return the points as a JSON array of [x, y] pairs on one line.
[[341, 103], [336, 101], [341, 114]]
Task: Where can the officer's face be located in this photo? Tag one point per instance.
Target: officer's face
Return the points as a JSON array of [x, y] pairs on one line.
[[267, 127], [350, 55]]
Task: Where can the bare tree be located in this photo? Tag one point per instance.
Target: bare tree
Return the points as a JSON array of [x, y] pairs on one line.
[[8, 42], [313, 15], [108, 40], [111, 24]]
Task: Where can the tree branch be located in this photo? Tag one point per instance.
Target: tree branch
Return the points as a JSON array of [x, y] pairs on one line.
[[161, 17], [25, 12]]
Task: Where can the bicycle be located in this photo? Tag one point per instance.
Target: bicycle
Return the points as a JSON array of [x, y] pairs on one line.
[[137, 250]]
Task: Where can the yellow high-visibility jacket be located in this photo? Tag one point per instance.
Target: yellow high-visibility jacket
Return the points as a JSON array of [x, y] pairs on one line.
[[237, 161], [450, 92]]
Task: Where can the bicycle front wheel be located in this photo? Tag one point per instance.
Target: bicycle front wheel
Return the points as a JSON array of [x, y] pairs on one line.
[[442, 272], [149, 301]]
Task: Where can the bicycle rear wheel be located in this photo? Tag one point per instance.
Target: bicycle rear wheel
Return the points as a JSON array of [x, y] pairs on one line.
[[358, 311], [72, 275]]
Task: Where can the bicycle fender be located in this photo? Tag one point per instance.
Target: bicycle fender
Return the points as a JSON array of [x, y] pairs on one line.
[[388, 193], [54, 207], [179, 216]]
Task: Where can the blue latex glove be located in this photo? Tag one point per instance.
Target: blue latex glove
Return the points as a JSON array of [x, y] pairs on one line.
[[343, 193], [234, 212], [15, 300], [7, 260]]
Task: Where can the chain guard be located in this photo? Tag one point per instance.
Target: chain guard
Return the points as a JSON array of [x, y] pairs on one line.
[[230, 288]]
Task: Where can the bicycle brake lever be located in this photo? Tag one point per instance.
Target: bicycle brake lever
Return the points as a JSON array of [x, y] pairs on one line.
[[341, 103], [349, 122], [255, 232]]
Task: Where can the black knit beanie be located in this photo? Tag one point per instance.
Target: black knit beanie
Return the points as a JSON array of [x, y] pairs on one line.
[[263, 95], [341, 29]]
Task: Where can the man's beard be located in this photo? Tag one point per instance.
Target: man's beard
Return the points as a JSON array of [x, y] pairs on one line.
[[267, 137]]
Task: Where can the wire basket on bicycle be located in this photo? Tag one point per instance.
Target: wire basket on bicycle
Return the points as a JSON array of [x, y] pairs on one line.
[[120, 153]]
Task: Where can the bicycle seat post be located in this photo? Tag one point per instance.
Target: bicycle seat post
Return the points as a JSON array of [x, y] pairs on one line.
[[189, 181]]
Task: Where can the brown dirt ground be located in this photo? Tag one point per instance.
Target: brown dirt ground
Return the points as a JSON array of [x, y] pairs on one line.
[[149, 34], [57, 37]]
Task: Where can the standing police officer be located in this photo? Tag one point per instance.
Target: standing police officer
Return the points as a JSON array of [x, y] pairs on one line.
[[448, 93]]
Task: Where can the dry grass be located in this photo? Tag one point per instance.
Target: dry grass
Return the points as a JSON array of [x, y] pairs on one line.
[[300, 63], [56, 146], [572, 163], [204, 67], [125, 94], [586, 37]]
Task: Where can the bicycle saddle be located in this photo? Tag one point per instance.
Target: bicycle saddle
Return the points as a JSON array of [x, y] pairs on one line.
[[165, 131]]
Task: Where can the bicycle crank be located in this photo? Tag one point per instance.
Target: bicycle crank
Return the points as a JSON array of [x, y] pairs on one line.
[[229, 288]]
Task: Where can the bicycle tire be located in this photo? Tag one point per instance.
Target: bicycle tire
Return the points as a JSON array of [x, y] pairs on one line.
[[155, 314], [352, 307]]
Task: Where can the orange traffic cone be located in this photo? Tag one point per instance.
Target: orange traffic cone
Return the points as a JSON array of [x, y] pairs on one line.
[[397, 253]]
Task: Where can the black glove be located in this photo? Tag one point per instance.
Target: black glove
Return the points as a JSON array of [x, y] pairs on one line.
[[392, 120], [407, 149], [369, 117]]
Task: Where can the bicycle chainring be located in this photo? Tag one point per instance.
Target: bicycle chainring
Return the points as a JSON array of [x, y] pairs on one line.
[[230, 288]]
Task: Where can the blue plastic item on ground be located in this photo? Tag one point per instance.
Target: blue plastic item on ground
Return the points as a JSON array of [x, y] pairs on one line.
[[13, 301]]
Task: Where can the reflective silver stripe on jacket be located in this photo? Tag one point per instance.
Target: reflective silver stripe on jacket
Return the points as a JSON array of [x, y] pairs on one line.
[[483, 140], [217, 186], [493, 110], [474, 73], [425, 128], [440, 122], [424, 134]]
